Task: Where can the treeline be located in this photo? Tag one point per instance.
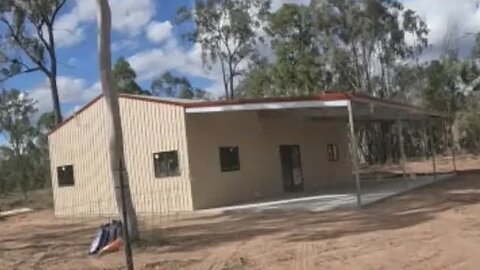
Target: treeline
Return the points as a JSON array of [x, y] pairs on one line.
[[24, 162], [373, 46], [164, 85]]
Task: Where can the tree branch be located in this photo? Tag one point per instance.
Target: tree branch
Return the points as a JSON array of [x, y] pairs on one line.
[[40, 34], [29, 70], [40, 65], [55, 12]]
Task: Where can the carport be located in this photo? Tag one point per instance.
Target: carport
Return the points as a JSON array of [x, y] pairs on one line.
[[352, 108], [333, 200]]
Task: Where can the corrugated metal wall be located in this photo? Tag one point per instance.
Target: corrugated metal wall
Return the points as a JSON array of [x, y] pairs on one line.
[[148, 128], [82, 143]]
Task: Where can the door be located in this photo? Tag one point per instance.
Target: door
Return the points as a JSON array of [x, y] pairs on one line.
[[291, 168]]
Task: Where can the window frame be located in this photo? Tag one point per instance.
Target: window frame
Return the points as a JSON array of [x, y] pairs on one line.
[[61, 174], [333, 154], [169, 173], [235, 162]]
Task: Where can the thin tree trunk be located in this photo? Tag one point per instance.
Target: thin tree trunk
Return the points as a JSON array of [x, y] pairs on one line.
[[113, 124], [357, 67], [55, 100], [21, 174], [232, 96], [52, 76], [456, 136], [367, 72], [224, 78]]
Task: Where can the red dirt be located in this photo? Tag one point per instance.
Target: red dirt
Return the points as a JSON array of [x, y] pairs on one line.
[[444, 164], [433, 228]]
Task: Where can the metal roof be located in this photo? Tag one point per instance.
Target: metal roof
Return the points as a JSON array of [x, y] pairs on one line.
[[326, 105]]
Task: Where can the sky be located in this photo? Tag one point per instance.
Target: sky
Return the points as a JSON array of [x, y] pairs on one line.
[[145, 34]]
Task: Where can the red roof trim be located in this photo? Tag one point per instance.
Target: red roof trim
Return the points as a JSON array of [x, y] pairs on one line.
[[65, 121]]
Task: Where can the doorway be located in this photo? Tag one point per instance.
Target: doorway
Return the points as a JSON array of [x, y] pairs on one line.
[[292, 174]]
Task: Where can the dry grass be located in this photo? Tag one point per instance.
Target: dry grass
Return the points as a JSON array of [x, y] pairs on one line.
[[37, 199]]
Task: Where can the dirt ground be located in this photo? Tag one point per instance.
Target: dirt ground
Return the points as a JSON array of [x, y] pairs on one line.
[[420, 166], [37, 199], [437, 227]]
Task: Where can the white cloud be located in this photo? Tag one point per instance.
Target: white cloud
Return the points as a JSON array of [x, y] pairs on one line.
[[72, 91], [217, 89], [128, 16], [159, 31], [440, 15], [131, 15], [67, 31], [125, 44], [152, 62]]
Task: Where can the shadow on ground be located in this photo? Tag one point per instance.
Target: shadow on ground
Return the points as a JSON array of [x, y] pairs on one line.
[[422, 205]]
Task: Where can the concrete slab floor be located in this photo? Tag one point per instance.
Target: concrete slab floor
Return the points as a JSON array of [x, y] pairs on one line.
[[336, 200]]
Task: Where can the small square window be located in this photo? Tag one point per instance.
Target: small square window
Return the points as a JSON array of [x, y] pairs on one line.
[[166, 164], [332, 151], [229, 160], [65, 176]]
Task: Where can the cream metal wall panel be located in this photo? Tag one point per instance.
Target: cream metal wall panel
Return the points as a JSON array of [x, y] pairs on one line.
[[149, 128], [258, 139], [82, 143]]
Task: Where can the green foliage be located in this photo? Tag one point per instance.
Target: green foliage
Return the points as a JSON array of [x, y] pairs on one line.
[[46, 122], [258, 82], [15, 112], [336, 45], [469, 125], [442, 92], [299, 67], [24, 159], [124, 78], [27, 43], [168, 85], [225, 29]]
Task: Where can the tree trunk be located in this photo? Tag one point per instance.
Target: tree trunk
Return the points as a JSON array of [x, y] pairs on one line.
[[232, 96], [21, 173], [52, 76], [113, 124], [224, 80], [456, 136], [55, 100]]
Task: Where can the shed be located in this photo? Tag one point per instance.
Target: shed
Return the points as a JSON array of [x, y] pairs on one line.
[[184, 155]]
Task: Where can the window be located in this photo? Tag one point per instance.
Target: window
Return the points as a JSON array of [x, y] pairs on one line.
[[166, 164], [229, 160], [332, 151], [65, 176]]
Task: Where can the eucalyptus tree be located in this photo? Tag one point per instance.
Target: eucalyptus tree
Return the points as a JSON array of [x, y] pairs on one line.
[[27, 42], [227, 31], [169, 85], [16, 110]]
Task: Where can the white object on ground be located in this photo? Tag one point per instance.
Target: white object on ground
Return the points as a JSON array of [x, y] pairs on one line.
[[15, 212]]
